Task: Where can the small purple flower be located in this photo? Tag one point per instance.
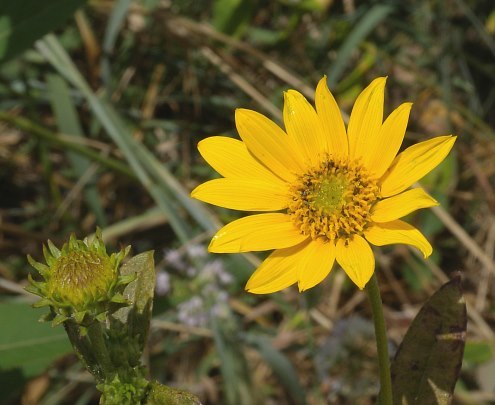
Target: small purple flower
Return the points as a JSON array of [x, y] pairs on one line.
[[196, 251], [162, 286], [192, 312], [173, 258]]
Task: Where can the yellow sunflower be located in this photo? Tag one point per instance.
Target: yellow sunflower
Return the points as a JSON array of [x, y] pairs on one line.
[[334, 191]]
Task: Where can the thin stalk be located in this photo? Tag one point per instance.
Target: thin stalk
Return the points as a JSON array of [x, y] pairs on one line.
[[373, 291], [99, 348], [82, 346]]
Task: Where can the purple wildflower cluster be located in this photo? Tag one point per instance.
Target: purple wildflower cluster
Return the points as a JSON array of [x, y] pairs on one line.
[[208, 281]]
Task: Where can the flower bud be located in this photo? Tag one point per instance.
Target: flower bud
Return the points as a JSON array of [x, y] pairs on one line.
[[78, 280]]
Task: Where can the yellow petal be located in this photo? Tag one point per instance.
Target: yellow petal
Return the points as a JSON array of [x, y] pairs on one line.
[[230, 158], [331, 119], [317, 263], [243, 194], [401, 205], [357, 260], [366, 119], [256, 233], [278, 271], [304, 127], [384, 147], [268, 143], [412, 164], [397, 231]]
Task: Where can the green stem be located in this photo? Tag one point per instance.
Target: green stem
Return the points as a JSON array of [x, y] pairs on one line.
[[99, 349], [373, 291], [82, 347]]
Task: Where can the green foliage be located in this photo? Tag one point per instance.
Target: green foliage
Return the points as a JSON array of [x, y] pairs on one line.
[[136, 317], [68, 123], [476, 353], [281, 366], [362, 29], [22, 23], [427, 364], [232, 16], [160, 394], [235, 369], [111, 347], [27, 347], [126, 392]]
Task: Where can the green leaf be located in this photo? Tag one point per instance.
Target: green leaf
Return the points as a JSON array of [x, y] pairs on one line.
[[232, 16], [24, 21], [477, 352], [115, 22], [68, 123], [140, 294], [428, 362], [233, 364], [281, 366], [374, 16], [27, 347]]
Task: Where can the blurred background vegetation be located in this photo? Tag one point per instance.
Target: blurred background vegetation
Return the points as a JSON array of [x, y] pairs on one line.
[[99, 122]]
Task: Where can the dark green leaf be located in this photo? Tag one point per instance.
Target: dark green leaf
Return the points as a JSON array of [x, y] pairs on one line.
[[232, 16], [27, 347], [429, 359], [24, 21]]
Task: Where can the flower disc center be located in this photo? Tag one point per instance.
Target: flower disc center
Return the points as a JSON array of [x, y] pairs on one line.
[[333, 200], [330, 194], [81, 276]]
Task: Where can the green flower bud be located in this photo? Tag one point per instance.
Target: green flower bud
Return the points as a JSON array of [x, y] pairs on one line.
[[78, 280]]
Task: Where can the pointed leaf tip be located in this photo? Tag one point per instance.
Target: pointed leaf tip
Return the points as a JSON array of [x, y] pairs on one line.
[[428, 362]]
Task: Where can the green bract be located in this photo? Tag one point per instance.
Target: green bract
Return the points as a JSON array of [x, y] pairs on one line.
[[78, 280]]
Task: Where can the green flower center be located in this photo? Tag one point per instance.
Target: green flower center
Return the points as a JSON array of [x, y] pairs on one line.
[[80, 277], [330, 194], [333, 200]]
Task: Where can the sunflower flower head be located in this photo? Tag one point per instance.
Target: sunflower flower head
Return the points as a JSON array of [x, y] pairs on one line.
[[325, 192], [79, 279]]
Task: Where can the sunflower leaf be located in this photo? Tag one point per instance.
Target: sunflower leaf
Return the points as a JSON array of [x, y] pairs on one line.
[[427, 364], [139, 293]]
